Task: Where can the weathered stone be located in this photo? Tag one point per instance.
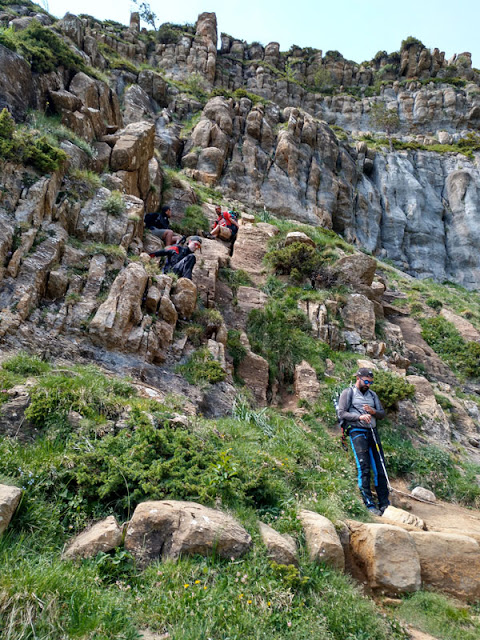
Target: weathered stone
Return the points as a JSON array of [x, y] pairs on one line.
[[305, 382], [449, 563], [322, 540], [250, 298], [462, 325], [356, 269], [424, 494], [359, 316], [432, 417], [298, 236], [103, 536], [16, 85], [280, 548], [171, 528], [9, 499], [134, 147], [121, 312], [403, 517], [185, 298], [254, 371], [388, 556]]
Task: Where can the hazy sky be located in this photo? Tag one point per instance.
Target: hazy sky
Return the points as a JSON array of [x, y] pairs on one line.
[[356, 28]]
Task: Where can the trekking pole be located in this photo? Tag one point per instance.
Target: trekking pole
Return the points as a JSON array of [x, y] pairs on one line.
[[390, 488]]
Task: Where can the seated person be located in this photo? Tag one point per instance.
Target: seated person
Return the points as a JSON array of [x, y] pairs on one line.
[[226, 225], [159, 225], [180, 260]]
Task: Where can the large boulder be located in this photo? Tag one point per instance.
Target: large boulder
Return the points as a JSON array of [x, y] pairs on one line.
[[185, 298], [323, 543], [388, 557], [16, 84], [402, 517], [356, 269], [305, 382], [280, 548], [103, 536], [449, 563], [9, 499], [359, 316], [171, 528], [134, 147]]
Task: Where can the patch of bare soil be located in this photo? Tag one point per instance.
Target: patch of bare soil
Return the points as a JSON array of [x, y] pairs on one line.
[[440, 516]]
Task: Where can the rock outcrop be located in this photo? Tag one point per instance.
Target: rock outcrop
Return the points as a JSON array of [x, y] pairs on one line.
[[9, 499], [171, 528]]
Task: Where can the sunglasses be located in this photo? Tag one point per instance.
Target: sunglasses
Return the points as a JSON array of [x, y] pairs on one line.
[[367, 381]]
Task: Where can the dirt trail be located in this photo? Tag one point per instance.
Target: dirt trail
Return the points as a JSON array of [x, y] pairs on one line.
[[441, 516]]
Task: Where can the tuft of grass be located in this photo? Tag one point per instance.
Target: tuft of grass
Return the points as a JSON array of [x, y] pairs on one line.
[[440, 616], [114, 204], [193, 222], [202, 368]]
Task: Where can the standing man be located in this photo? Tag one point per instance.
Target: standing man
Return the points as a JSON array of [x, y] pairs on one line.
[[180, 260], [360, 408], [159, 225]]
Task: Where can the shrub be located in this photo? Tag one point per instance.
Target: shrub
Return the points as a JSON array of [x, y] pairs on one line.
[[443, 337], [201, 367], [235, 278], [391, 388], [26, 365], [410, 42], [114, 204], [169, 33], [42, 48], [28, 146], [235, 347], [83, 183], [281, 336], [297, 260], [193, 222], [434, 303]]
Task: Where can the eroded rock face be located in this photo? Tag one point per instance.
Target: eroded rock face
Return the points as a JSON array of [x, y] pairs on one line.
[[449, 563], [9, 499], [171, 528], [306, 384], [281, 548], [323, 543], [359, 316], [16, 86], [103, 536], [388, 556]]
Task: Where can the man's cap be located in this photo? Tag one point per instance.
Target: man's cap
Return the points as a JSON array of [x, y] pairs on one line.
[[363, 372], [195, 239]]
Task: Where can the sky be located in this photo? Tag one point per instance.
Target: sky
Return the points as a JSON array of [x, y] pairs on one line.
[[356, 28]]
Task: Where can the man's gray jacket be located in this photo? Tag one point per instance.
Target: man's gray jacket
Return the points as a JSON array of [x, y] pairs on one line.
[[351, 413]]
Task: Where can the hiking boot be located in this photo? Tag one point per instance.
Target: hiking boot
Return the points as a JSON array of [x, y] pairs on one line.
[[374, 511], [383, 508]]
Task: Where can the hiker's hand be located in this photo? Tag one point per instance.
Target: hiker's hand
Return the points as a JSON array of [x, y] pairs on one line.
[[369, 409], [366, 417]]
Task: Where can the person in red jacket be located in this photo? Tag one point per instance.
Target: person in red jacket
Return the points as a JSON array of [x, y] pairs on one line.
[[180, 260], [226, 225]]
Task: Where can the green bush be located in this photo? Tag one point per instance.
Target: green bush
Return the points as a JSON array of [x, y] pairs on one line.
[[42, 48], [28, 146], [82, 389], [410, 42], [391, 388], [169, 33], [26, 365], [282, 336], [446, 341], [297, 260], [193, 222], [114, 204], [201, 367], [235, 347], [434, 303]]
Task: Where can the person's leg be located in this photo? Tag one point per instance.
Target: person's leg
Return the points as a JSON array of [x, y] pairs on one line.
[[184, 268], [215, 231], [379, 478], [359, 442]]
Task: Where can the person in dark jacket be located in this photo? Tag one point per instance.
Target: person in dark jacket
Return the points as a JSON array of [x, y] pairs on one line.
[[180, 260], [159, 224], [360, 408]]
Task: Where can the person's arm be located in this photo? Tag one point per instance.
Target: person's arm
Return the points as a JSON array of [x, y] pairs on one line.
[[378, 411], [161, 252]]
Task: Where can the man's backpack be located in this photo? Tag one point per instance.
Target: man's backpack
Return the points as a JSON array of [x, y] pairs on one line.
[[342, 423]]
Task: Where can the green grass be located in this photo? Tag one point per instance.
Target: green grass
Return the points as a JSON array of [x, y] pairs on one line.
[[440, 616], [193, 222], [29, 146], [201, 368]]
